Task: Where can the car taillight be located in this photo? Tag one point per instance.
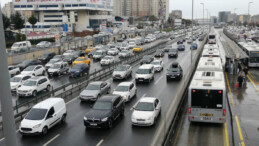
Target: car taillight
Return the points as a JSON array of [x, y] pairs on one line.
[[193, 91], [189, 110], [219, 92], [224, 112]]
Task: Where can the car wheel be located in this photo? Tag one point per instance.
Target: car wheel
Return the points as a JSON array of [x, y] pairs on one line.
[[17, 72], [34, 93], [122, 112], [81, 74], [109, 90], [48, 88], [33, 74], [45, 130], [43, 73], [63, 119], [110, 123], [155, 121], [59, 74]]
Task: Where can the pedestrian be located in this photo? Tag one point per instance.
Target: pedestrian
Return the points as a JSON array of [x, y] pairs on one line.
[[240, 81], [246, 70], [231, 68], [239, 67]]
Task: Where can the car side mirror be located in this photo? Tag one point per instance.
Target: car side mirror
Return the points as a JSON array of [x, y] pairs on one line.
[[157, 108]]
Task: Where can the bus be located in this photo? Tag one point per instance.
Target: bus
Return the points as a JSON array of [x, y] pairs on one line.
[[252, 52], [212, 38], [210, 64], [210, 53]]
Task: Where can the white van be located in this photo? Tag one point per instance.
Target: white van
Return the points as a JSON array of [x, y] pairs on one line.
[[145, 73], [43, 116], [18, 46]]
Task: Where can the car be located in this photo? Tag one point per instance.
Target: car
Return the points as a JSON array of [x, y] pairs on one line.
[[159, 53], [124, 46], [137, 49], [46, 57], [158, 65], [69, 58], [79, 53], [118, 45], [173, 53], [148, 40], [43, 44], [167, 48], [17, 81], [69, 52], [105, 111], [43, 116], [113, 52], [78, 70], [145, 73], [120, 40], [189, 41], [51, 62], [58, 57], [99, 54], [34, 70], [181, 47], [111, 44], [146, 111], [179, 42], [105, 49], [13, 70], [122, 72], [107, 60], [89, 49], [201, 38], [127, 90], [172, 37], [132, 45], [97, 47], [20, 46], [194, 46], [95, 90], [91, 54], [147, 59], [82, 60], [124, 54], [58, 69], [175, 71], [27, 63], [33, 86]]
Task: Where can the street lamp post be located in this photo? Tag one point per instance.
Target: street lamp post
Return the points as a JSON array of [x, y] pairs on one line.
[[192, 33], [249, 10], [203, 16], [234, 18], [207, 14]]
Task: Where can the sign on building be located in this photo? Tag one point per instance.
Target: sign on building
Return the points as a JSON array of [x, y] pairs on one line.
[[178, 22]]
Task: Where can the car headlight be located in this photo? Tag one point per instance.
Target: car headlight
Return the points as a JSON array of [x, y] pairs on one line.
[[178, 74], [85, 118], [150, 118], [77, 71], [36, 126], [104, 119]]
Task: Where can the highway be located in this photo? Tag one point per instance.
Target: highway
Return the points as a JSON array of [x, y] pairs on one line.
[[122, 133]]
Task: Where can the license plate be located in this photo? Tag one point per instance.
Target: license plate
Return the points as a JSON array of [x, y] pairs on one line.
[[206, 115], [93, 124], [141, 80], [172, 77], [206, 118]]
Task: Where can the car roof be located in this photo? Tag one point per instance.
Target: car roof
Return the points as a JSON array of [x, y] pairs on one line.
[[96, 83], [109, 97], [125, 83], [148, 99], [36, 78], [61, 62], [146, 66], [48, 103], [21, 75]]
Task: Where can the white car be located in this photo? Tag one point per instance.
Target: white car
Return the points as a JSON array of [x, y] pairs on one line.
[[145, 73], [124, 54], [107, 60], [43, 44], [34, 85], [122, 72], [17, 81], [132, 45], [158, 65], [13, 70], [51, 62], [146, 111], [124, 46], [44, 116], [34, 70], [113, 51], [68, 52], [127, 90], [97, 47]]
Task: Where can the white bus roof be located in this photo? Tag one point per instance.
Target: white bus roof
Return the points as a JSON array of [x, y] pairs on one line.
[[209, 64], [213, 46], [252, 48], [210, 52]]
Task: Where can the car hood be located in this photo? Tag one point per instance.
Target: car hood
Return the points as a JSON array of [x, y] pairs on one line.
[[53, 70], [142, 114], [26, 72], [119, 73], [171, 52], [141, 75], [97, 114], [26, 88], [30, 123], [156, 66], [173, 73], [14, 84], [93, 93], [74, 70], [121, 93]]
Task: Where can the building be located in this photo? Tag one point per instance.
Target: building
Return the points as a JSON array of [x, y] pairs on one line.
[[255, 19], [224, 17], [141, 8], [243, 18], [122, 7], [164, 10], [72, 15], [8, 9], [202, 21], [176, 14], [214, 20], [154, 7]]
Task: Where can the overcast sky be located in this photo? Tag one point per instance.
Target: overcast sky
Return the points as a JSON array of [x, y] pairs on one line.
[[214, 6]]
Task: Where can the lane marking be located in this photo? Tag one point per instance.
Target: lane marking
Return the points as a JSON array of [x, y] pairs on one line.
[[137, 101], [178, 131], [72, 100], [252, 77], [240, 132], [159, 79], [229, 89], [253, 83], [225, 132], [48, 142], [99, 143]]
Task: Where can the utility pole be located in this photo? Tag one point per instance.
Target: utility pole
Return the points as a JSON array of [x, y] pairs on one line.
[[192, 33], [249, 11], [203, 17], [5, 96], [234, 18]]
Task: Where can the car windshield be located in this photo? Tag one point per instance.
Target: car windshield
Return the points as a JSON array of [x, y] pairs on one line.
[[53, 60], [93, 87], [143, 71], [16, 79], [155, 63], [122, 88], [121, 68], [174, 69], [36, 114], [146, 57], [55, 66], [101, 105], [172, 50], [29, 68], [124, 51], [30, 83], [26, 62], [77, 66], [144, 106], [79, 59], [98, 53], [68, 56], [107, 58], [15, 45]]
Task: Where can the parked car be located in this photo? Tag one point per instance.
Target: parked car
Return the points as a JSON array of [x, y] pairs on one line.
[[159, 53], [58, 69], [189, 41], [124, 54], [122, 72], [43, 44], [46, 57], [173, 53], [174, 71], [105, 111], [17, 81], [95, 90], [146, 111], [19, 46], [27, 63], [13, 70], [51, 62], [158, 65], [33, 86], [34, 70], [68, 52], [78, 70], [99, 54], [43, 116], [127, 90], [181, 47], [145, 73], [82, 60], [107, 60], [113, 52], [147, 59]]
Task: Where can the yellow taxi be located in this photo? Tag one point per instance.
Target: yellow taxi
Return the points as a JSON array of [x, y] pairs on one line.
[[89, 49], [137, 49], [82, 60]]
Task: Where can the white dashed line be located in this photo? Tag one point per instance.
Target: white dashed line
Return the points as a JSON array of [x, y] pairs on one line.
[[48, 142], [99, 143]]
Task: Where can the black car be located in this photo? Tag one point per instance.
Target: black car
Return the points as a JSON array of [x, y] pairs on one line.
[[105, 111], [173, 53], [91, 54], [167, 48], [174, 71], [120, 40], [79, 53], [46, 57], [179, 42], [79, 70], [69, 58], [159, 53], [27, 63], [147, 59]]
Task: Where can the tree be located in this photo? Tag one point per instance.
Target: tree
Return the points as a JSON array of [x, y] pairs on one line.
[[6, 21], [17, 21], [32, 20]]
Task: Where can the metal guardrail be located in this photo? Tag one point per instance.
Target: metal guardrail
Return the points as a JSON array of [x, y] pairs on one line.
[[169, 124]]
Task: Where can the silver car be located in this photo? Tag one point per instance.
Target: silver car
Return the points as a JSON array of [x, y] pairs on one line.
[[124, 54], [122, 72], [95, 90]]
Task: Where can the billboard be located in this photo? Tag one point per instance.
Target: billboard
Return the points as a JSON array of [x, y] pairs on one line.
[[178, 22], [37, 2]]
